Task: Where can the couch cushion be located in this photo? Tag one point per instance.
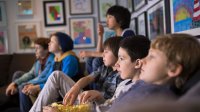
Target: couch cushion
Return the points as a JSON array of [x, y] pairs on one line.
[[4, 68], [22, 62]]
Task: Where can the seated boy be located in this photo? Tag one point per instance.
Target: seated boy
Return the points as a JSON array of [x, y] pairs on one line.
[[131, 51], [59, 84], [171, 60]]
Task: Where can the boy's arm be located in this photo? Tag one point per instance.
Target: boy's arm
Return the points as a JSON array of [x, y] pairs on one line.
[[100, 38], [72, 94], [84, 54]]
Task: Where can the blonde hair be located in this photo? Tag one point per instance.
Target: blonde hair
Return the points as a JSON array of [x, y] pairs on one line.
[[180, 49]]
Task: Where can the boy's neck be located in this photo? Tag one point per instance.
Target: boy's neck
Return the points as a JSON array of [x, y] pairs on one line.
[[136, 76], [118, 31]]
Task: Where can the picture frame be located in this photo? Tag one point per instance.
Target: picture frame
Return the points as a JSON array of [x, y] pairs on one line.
[[108, 33], [54, 13], [3, 42], [190, 21], [133, 25], [82, 32], [137, 4], [50, 31], [142, 24], [3, 18], [25, 7], [103, 6], [81, 7], [127, 4], [156, 20], [27, 32]]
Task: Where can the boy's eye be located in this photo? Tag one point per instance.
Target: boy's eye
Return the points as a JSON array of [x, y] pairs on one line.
[[120, 58]]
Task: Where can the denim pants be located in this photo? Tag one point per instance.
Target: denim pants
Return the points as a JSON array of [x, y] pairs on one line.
[[25, 101]]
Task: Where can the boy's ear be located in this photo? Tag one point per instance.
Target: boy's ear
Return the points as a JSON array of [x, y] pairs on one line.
[[174, 70], [138, 63]]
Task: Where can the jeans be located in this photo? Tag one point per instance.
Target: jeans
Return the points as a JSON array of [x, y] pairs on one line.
[[25, 101]]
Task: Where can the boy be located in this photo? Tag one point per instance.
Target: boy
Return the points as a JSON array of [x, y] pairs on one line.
[[106, 78], [131, 51], [170, 61], [118, 23]]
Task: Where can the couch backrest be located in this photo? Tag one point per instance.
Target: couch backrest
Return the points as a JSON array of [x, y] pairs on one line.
[[22, 62], [5, 60]]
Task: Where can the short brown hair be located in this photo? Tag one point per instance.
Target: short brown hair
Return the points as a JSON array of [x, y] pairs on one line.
[[180, 49], [42, 41]]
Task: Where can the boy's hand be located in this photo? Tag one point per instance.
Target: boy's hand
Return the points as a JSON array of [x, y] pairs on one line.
[[100, 30], [33, 90], [49, 109], [71, 95], [11, 89], [90, 95]]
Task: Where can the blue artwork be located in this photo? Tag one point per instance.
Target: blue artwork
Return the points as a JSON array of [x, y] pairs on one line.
[[186, 14]]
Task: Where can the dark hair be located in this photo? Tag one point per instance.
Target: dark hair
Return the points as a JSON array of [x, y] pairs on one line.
[[65, 41], [42, 41], [121, 14], [113, 44], [137, 46]]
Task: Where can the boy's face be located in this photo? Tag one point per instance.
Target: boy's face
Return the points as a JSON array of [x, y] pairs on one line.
[[108, 57], [154, 69], [40, 52], [124, 65], [54, 45], [111, 22]]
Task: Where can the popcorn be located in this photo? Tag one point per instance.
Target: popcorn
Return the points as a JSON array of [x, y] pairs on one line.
[[73, 108]]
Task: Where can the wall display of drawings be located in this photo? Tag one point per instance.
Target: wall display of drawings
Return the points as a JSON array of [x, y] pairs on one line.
[[108, 33], [3, 21], [80, 7], [104, 5], [54, 13], [185, 15], [133, 25], [142, 24], [82, 32], [137, 4], [25, 7], [3, 42], [156, 20], [27, 32]]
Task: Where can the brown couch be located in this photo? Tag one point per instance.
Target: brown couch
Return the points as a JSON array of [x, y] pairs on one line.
[[9, 63]]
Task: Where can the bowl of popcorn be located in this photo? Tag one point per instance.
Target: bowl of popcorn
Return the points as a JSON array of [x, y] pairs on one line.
[[72, 108]]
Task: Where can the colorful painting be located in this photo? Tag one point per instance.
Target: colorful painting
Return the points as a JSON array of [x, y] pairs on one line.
[[104, 5], [185, 15], [80, 7], [156, 20], [25, 7], [27, 33], [82, 32], [54, 13], [3, 42]]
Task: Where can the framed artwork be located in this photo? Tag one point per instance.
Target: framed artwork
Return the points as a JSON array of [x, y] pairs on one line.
[[25, 7], [53, 30], [78, 7], [185, 16], [133, 25], [3, 17], [27, 32], [127, 4], [108, 33], [142, 24], [82, 32], [156, 20], [3, 42], [104, 5], [137, 4], [54, 13]]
